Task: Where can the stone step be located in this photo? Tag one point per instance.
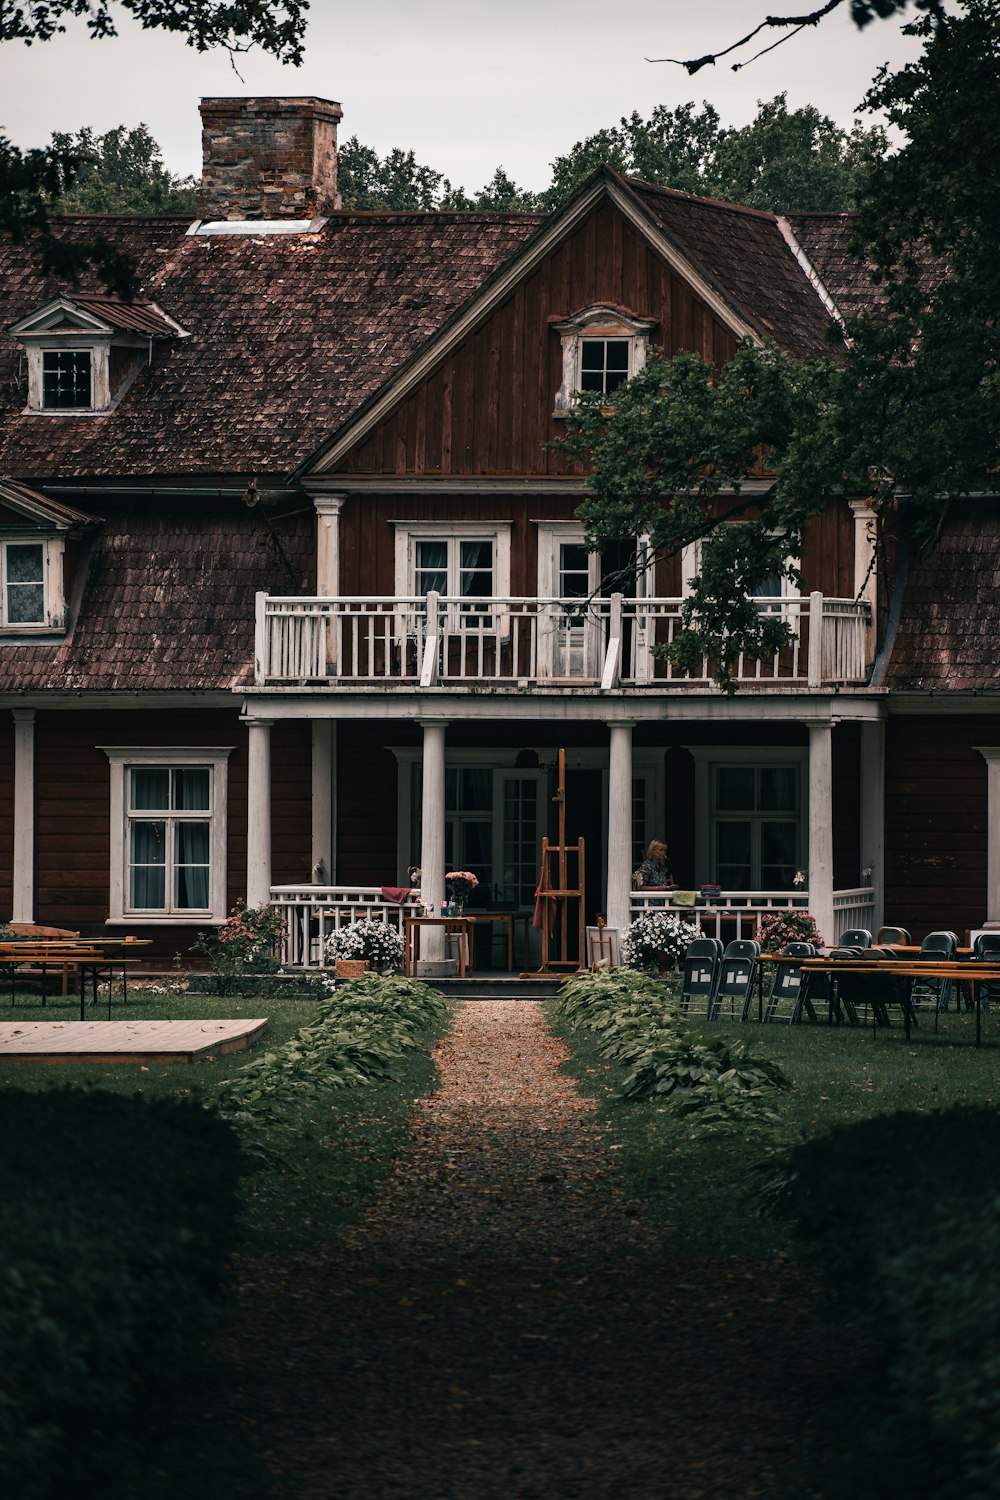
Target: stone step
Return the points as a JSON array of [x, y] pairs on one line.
[[502, 987]]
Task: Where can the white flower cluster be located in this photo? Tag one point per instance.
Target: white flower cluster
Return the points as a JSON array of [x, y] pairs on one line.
[[655, 934], [378, 942]]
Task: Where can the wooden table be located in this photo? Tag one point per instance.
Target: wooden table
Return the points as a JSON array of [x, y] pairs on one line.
[[83, 954], [974, 974], [464, 926]]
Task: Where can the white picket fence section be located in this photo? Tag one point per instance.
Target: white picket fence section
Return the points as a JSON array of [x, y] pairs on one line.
[[735, 914], [312, 913]]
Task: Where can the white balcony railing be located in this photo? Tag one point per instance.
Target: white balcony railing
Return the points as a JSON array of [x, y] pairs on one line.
[[601, 644]]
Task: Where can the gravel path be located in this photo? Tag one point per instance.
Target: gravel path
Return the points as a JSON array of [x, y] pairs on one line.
[[501, 1322]]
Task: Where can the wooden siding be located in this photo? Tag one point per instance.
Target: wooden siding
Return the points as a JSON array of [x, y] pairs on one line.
[[935, 824], [6, 816], [367, 540], [487, 408], [72, 815]]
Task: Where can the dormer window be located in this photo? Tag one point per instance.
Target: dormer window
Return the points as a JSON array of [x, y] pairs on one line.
[[84, 351], [40, 549], [66, 379], [602, 347]]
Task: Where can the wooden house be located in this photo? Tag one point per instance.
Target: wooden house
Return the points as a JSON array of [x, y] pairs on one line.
[[289, 563]]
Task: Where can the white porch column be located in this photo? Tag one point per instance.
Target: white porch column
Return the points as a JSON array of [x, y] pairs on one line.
[[865, 580], [620, 825], [991, 755], [432, 888], [821, 826], [873, 814], [23, 905], [328, 508], [259, 812], [324, 801]]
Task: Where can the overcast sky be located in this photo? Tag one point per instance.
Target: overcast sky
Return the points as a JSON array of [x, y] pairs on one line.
[[467, 84]]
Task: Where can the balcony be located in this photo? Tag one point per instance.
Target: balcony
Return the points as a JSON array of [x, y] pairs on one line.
[[550, 644]]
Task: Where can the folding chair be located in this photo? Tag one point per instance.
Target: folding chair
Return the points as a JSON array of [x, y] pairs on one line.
[[936, 945], [855, 937], [702, 960], [788, 985], [985, 949], [893, 937], [736, 977]]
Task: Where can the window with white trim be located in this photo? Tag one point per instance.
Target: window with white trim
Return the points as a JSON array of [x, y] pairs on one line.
[[776, 587], [755, 826], [31, 584], [168, 817], [602, 347], [458, 560]]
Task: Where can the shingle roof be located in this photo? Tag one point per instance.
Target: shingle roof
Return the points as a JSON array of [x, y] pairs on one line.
[[742, 253], [169, 602], [288, 335], [825, 238], [950, 619]]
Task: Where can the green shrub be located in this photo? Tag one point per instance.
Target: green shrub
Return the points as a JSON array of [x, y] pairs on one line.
[[715, 1085], [116, 1218], [360, 1034]]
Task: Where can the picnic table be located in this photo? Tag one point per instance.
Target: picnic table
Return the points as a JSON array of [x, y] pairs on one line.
[[974, 973], [86, 956]]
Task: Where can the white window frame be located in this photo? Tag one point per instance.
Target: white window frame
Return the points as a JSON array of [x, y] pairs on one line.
[[604, 322], [409, 533], [122, 759], [706, 759], [790, 591], [53, 550], [578, 651]]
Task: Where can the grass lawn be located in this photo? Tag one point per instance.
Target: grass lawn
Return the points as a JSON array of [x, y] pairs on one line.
[[700, 1186], [320, 1173]]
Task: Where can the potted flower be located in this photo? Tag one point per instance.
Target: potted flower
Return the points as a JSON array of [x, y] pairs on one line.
[[657, 941], [365, 944], [461, 884], [776, 928]]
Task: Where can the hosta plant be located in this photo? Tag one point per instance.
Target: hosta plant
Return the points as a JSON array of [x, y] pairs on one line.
[[378, 942], [657, 939]]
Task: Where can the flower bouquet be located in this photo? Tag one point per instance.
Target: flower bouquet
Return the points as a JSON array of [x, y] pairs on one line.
[[375, 943], [461, 884], [657, 940]]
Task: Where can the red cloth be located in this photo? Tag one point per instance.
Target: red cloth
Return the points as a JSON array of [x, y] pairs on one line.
[[396, 893], [541, 904]]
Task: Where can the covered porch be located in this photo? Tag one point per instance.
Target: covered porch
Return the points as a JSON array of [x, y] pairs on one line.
[[779, 806]]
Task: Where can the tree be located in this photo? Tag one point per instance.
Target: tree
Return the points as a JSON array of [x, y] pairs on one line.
[[781, 160], [31, 180], [121, 172], [910, 407], [398, 183], [862, 12]]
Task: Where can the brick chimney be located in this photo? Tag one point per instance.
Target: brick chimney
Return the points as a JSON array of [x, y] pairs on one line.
[[268, 158]]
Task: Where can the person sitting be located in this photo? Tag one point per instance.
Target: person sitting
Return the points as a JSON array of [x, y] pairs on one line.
[[654, 873]]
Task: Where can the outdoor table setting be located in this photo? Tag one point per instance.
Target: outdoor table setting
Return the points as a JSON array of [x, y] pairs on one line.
[[89, 956], [974, 973]]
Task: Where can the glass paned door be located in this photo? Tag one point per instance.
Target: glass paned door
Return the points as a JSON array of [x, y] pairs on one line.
[[519, 810], [756, 827]]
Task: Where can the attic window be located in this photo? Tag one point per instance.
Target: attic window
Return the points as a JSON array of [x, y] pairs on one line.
[[23, 583], [602, 347], [66, 379]]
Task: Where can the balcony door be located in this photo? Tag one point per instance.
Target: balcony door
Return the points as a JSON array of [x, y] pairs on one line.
[[572, 641]]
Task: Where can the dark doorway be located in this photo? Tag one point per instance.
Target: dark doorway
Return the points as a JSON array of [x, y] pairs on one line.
[[584, 794]]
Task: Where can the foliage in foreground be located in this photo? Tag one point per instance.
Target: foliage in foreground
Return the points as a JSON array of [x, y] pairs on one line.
[[713, 1085], [903, 1213], [116, 1219], [361, 1034]]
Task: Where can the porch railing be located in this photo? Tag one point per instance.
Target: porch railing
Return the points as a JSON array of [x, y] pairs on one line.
[[735, 914], [602, 644], [312, 913]]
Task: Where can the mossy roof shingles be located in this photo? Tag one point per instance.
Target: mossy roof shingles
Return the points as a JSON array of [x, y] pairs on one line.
[[288, 334]]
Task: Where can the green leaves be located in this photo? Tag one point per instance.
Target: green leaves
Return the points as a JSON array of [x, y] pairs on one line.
[[715, 1086]]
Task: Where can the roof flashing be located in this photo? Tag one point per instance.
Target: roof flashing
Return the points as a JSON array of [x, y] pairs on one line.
[[257, 226]]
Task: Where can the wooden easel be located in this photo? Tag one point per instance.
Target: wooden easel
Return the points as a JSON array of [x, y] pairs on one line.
[[554, 886]]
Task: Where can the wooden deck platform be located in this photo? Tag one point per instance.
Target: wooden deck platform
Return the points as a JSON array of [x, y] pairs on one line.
[[123, 1041]]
